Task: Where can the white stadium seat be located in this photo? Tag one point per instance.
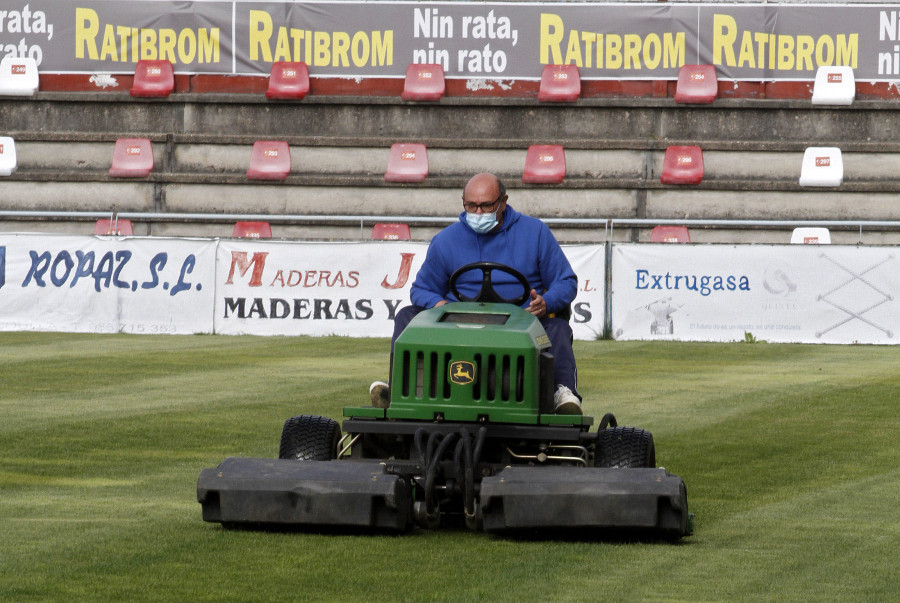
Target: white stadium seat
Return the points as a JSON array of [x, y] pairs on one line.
[[18, 76], [822, 166], [811, 235], [834, 86], [8, 163]]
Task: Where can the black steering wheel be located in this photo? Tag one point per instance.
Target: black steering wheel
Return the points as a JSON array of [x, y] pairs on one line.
[[487, 294]]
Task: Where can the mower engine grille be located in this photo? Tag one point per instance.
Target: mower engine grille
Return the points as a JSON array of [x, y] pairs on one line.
[[498, 377]]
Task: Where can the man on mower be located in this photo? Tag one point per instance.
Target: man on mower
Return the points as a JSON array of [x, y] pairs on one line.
[[489, 230]]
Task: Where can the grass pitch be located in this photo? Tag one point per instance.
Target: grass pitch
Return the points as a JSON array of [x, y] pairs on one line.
[[789, 452]]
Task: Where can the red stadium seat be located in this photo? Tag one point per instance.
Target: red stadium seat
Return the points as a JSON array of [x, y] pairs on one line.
[[269, 160], [544, 164], [384, 231], [252, 230], [697, 84], [132, 158], [288, 80], [682, 165], [670, 234], [119, 226], [424, 82], [560, 83], [407, 162], [153, 78]]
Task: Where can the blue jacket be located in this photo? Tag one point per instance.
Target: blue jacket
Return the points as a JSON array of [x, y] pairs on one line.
[[522, 242]]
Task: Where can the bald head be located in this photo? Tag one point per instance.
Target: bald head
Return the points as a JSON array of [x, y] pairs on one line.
[[482, 187]]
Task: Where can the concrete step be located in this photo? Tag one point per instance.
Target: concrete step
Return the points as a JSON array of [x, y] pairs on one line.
[[491, 122], [571, 203], [741, 170], [344, 232]]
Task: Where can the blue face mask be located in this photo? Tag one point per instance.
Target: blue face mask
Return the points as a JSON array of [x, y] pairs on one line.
[[482, 223]]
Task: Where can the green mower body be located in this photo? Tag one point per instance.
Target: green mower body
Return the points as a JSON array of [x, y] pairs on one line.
[[474, 362]]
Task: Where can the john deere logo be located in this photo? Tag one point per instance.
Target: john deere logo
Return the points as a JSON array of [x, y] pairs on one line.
[[462, 372]]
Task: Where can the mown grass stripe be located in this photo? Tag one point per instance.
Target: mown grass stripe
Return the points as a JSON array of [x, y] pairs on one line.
[[788, 452]]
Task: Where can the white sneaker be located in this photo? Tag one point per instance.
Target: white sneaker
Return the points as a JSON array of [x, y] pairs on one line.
[[565, 402], [380, 394]]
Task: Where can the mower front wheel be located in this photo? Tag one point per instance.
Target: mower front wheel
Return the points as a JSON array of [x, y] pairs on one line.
[[309, 438], [625, 447]]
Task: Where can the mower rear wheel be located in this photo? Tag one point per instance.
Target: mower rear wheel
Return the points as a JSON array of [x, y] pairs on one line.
[[625, 447], [309, 438]]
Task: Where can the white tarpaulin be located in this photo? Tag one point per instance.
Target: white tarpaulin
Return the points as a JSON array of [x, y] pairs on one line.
[[778, 293], [354, 289], [105, 284]]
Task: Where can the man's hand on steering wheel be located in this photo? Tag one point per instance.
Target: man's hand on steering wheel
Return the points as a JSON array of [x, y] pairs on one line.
[[538, 306]]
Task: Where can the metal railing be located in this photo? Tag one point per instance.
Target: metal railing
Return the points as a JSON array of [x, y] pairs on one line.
[[608, 224], [67, 215], [325, 219]]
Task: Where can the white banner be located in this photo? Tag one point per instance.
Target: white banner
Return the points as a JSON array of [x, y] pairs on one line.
[[290, 288], [588, 311], [352, 289], [783, 293], [778, 293], [106, 285]]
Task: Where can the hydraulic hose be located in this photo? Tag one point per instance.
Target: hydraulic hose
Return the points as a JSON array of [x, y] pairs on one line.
[[469, 479], [431, 475], [458, 460], [479, 444], [466, 457], [419, 439], [429, 448]]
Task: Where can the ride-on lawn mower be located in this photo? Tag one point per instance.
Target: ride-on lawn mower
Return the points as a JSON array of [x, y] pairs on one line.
[[469, 436]]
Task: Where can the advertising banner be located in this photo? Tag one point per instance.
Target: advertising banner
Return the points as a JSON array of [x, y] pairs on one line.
[[471, 40], [282, 288], [106, 285], [778, 293], [352, 289]]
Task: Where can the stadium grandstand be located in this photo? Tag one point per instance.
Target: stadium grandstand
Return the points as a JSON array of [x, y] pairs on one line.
[[624, 104]]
